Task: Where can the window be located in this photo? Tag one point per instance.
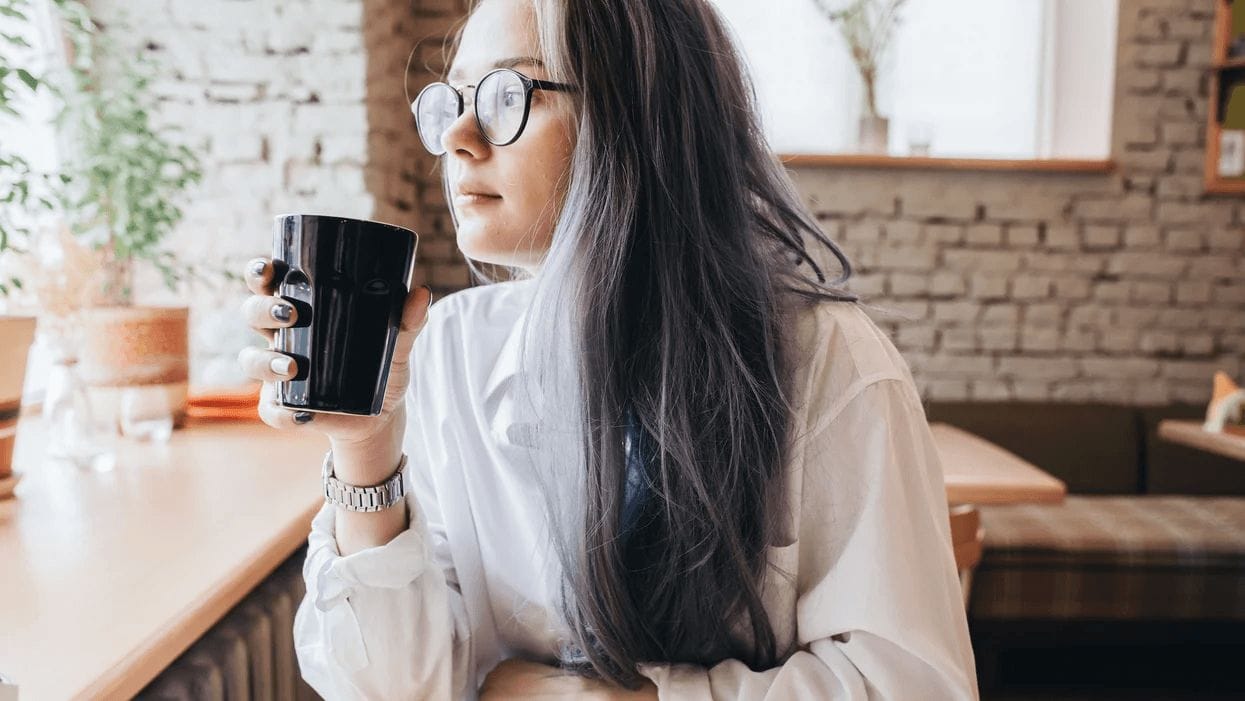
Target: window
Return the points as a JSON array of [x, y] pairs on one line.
[[975, 78], [36, 141]]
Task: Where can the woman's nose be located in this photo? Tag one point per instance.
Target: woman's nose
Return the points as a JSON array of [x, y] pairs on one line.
[[464, 135]]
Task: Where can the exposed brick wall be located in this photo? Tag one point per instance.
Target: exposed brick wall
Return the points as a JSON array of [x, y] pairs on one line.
[[1128, 287]]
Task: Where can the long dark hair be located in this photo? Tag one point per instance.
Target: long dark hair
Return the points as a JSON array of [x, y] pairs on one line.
[[668, 295]]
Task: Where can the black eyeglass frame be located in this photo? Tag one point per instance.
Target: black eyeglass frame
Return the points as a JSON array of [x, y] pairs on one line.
[[529, 85]]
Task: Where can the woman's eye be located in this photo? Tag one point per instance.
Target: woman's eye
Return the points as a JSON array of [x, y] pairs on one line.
[[513, 99]]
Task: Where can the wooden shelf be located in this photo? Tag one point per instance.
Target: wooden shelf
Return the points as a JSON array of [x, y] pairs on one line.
[[1225, 186], [1213, 183], [1238, 62], [881, 161]]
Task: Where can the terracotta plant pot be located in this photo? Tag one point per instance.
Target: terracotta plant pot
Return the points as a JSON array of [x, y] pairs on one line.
[[17, 333], [135, 346]]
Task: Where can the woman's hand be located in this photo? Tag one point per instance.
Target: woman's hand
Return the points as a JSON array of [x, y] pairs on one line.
[[520, 680], [265, 313]]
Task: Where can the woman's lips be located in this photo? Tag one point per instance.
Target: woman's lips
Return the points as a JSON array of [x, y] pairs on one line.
[[471, 199]]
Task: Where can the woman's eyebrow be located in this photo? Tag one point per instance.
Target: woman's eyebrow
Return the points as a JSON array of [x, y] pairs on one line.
[[511, 62]]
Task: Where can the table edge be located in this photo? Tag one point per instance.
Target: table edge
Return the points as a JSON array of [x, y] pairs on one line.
[[166, 644]]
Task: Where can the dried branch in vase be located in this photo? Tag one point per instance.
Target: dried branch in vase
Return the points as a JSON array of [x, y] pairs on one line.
[[867, 26]]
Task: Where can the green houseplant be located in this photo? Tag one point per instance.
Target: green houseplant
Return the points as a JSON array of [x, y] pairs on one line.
[[118, 189], [126, 180], [20, 188], [126, 176], [122, 178]]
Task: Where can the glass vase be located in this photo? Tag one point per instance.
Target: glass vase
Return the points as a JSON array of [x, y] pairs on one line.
[[73, 435]]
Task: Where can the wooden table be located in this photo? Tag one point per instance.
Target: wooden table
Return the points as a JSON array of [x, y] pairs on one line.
[[106, 577], [1191, 433], [977, 471]]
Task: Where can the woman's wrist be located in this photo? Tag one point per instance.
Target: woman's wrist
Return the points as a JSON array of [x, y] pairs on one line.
[[367, 462]]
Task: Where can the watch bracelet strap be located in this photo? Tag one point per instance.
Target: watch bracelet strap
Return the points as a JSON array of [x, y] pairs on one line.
[[364, 498]]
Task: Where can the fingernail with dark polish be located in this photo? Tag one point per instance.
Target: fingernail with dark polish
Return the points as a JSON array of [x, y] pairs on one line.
[[281, 312], [302, 417], [257, 268]]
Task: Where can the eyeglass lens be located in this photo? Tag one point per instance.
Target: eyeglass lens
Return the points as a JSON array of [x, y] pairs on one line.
[[499, 101]]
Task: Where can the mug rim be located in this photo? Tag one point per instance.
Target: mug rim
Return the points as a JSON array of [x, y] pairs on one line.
[[286, 215]]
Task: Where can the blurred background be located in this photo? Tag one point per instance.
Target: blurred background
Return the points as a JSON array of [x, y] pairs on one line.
[[1042, 199]]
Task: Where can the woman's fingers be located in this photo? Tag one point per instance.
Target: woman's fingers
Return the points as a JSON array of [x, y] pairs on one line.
[[278, 416], [266, 365], [265, 313], [414, 317], [259, 276]]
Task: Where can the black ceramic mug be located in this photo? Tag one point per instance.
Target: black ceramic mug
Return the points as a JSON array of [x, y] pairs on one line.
[[348, 280]]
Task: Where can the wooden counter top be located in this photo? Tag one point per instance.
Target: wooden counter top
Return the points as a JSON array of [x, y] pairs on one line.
[[106, 577]]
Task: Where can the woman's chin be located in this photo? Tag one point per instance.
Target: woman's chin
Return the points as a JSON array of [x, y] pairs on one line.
[[477, 244]]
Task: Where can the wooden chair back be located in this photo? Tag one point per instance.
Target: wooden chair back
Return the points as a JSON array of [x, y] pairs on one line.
[[966, 539]]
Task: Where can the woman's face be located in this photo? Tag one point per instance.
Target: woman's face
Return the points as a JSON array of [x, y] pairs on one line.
[[515, 227]]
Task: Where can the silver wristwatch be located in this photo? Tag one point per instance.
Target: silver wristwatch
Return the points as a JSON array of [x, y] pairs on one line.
[[353, 498]]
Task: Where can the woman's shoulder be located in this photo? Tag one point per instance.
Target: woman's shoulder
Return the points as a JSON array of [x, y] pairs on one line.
[[492, 304], [840, 352], [466, 331], [473, 314]]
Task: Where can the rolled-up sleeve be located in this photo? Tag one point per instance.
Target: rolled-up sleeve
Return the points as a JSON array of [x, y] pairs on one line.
[[879, 613], [375, 624], [386, 622]]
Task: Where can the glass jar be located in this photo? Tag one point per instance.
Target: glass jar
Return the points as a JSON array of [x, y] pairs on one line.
[[73, 435]]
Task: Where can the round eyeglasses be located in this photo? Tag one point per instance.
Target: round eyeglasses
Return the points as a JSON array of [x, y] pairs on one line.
[[502, 102]]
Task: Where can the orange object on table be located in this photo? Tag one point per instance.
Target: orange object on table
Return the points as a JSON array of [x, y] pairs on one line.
[[225, 404]]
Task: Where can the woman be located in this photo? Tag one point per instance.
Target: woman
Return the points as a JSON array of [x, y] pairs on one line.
[[661, 461]]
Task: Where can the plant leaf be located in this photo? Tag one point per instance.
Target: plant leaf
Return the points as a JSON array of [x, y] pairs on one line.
[[30, 81]]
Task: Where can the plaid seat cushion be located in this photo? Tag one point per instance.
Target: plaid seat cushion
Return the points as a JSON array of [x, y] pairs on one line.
[[1143, 557]]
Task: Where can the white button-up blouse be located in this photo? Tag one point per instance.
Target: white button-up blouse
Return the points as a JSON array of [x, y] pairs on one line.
[[874, 610]]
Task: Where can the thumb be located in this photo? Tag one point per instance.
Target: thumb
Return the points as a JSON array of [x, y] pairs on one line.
[[414, 317]]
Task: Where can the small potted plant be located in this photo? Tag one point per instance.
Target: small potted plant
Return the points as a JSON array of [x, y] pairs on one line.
[[867, 27], [20, 190], [119, 189]]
